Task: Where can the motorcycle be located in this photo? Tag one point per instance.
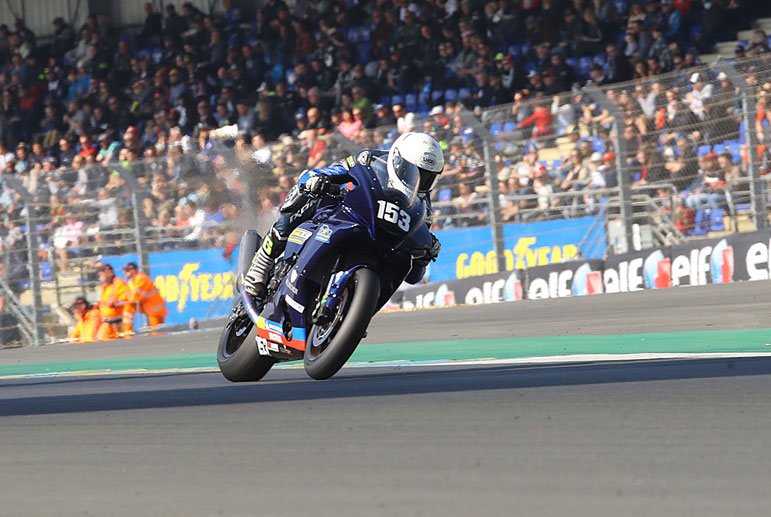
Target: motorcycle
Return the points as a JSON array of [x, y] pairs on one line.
[[337, 270]]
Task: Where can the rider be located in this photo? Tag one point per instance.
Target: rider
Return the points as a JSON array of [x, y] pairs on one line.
[[417, 148]]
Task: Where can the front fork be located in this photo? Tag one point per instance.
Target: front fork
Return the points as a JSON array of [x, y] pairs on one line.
[[327, 306]]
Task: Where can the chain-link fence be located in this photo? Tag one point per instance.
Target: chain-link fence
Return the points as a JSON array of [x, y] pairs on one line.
[[653, 161]]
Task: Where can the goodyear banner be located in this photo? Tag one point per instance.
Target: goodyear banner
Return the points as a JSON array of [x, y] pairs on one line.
[[195, 284], [469, 252]]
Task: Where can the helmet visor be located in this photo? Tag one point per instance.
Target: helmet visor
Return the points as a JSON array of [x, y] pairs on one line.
[[403, 176], [428, 180]]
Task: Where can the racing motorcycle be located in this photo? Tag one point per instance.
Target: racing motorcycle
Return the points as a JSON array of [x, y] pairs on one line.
[[337, 270]]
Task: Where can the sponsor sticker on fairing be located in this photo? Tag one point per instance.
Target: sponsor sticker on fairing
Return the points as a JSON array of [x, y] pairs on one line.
[[299, 235], [324, 233]]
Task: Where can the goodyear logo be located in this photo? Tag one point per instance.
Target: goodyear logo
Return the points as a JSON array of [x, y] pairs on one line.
[[190, 285], [523, 255]]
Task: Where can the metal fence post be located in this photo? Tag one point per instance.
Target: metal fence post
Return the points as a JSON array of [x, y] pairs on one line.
[[496, 223], [749, 110], [139, 234], [33, 260], [624, 183]]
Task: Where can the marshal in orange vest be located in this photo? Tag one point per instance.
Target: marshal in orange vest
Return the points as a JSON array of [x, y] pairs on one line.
[[88, 321], [144, 294], [112, 302]]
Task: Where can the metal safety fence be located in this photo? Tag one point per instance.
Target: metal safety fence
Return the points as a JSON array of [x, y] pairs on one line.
[[654, 162]]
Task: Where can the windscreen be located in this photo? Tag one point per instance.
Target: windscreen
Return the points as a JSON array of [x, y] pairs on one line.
[[398, 175]]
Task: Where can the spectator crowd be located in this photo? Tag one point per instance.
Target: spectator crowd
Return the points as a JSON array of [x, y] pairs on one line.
[[106, 129]]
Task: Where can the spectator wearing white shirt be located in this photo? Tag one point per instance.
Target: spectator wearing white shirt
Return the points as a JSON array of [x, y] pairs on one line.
[[700, 93], [67, 239], [262, 153]]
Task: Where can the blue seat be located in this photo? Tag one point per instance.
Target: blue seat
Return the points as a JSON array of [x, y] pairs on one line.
[[716, 220], [364, 47], [46, 272], [584, 64], [436, 96], [622, 6], [464, 93], [703, 149], [515, 51], [571, 61], [495, 128], [397, 99], [509, 127], [451, 95], [735, 149], [411, 101], [444, 195], [701, 223]]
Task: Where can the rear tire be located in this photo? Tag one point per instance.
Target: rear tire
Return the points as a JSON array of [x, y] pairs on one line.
[[323, 360], [237, 356]]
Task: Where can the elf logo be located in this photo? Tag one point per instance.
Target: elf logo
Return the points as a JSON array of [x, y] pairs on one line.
[[705, 265], [650, 272]]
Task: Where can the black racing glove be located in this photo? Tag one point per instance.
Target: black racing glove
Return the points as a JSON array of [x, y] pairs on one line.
[[317, 185], [431, 253]]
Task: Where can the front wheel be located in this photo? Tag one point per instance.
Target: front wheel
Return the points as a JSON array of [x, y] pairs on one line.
[[329, 346], [237, 354]]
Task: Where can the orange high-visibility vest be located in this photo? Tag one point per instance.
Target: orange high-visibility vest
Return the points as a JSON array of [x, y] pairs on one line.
[[86, 326], [112, 299], [144, 292]]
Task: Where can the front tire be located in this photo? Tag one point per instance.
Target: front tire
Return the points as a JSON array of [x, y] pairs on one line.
[[237, 355], [329, 347]]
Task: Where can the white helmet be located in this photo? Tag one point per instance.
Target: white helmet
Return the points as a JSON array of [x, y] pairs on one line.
[[424, 151]]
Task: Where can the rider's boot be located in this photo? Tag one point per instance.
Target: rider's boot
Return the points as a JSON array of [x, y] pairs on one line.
[[255, 279]]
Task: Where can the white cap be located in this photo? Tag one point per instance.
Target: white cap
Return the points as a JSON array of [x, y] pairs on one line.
[[695, 77], [721, 76], [596, 157], [436, 110]]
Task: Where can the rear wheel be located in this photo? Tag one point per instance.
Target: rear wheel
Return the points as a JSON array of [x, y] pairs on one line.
[[329, 346], [237, 354]]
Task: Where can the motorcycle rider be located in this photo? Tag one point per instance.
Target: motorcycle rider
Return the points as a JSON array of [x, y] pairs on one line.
[[419, 149]]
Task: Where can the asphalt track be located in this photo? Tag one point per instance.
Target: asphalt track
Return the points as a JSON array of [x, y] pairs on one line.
[[687, 437]]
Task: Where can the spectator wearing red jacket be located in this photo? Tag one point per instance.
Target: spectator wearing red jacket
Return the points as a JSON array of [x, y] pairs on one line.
[[541, 120]]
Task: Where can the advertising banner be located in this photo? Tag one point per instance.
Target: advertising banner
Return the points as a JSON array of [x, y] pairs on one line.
[[502, 287], [636, 271], [702, 262], [577, 278], [752, 255], [201, 284], [469, 252]]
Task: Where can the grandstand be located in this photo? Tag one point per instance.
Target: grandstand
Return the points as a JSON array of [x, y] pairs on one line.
[[109, 131]]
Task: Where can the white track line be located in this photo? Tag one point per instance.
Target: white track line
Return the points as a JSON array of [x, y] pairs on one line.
[[523, 361]]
